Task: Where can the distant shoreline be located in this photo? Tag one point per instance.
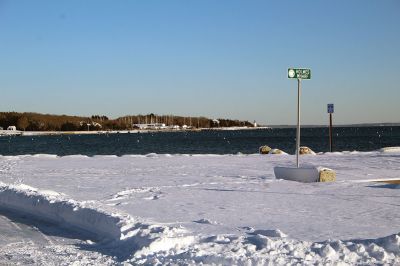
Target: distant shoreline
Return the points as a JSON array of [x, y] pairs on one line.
[[104, 132], [136, 131]]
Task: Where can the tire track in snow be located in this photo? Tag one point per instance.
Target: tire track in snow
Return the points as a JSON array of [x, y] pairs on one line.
[[156, 192], [7, 169], [26, 242], [13, 230]]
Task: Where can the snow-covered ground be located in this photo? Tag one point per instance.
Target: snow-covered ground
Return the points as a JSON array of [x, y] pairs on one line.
[[191, 209]]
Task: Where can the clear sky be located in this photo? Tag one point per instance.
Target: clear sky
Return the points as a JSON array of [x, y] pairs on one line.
[[206, 57]]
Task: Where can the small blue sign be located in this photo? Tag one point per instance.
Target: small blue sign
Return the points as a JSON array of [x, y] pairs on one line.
[[330, 108]]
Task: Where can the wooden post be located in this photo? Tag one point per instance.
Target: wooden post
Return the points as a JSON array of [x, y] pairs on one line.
[[330, 132]]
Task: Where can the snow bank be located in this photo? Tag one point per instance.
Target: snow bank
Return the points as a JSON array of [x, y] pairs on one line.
[[40, 155], [157, 155], [390, 150], [383, 150], [79, 156], [116, 231], [51, 206], [271, 247]]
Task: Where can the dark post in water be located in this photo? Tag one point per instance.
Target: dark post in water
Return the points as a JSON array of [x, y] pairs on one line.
[[330, 111]]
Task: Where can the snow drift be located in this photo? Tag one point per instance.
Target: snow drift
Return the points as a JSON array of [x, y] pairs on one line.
[[141, 243], [120, 233], [270, 247], [51, 206]]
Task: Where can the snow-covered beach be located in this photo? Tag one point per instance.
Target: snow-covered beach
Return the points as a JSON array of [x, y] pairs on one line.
[[191, 209], [132, 131]]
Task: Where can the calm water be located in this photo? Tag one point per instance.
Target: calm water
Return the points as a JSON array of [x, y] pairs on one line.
[[212, 142]]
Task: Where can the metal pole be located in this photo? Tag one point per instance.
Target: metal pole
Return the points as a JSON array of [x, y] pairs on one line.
[[298, 122], [330, 132]]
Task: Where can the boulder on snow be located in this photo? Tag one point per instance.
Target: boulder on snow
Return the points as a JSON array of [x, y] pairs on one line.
[[326, 175], [306, 150], [264, 149]]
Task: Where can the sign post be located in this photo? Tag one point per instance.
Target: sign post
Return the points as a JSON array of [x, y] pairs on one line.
[[298, 122], [330, 112], [306, 173], [299, 74]]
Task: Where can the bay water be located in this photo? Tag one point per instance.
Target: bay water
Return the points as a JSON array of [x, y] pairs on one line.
[[203, 142]]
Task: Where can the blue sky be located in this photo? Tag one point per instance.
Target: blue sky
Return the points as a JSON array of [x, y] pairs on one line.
[[211, 58]]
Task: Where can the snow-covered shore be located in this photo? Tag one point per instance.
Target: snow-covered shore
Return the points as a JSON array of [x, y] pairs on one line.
[[95, 132], [191, 209]]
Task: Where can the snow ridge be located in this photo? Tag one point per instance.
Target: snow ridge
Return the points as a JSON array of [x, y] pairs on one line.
[[385, 150], [271, 247], [120, 235], [53, 207]]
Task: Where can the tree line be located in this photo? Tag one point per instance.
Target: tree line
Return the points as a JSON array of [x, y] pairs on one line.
[[49, 122]]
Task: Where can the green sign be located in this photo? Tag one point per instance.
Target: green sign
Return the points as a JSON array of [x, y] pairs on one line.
[[299, 73]]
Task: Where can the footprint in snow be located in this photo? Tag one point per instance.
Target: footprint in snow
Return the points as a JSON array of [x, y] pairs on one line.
[[205, 221], [267, 232], [153, 197]]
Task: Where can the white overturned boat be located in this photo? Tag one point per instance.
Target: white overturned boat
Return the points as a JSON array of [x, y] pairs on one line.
[[305, 174]]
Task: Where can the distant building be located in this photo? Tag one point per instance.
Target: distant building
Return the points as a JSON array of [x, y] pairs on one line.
[[12, 128], [90, 124], [215, 122], [95, 124]]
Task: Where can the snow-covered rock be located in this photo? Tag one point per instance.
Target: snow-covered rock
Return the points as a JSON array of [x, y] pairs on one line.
[[326, 175], [264, 149], [306, 150]]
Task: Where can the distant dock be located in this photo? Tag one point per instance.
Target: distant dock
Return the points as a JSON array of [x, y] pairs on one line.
[[10, 133]]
